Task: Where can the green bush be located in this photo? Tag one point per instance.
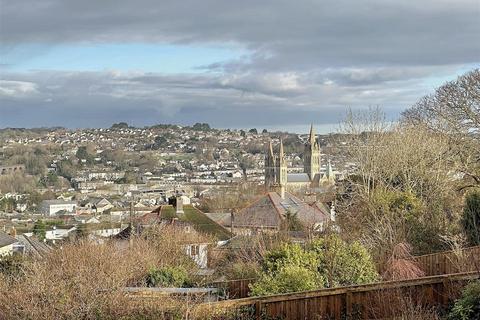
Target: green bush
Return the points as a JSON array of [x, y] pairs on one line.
[[289, 255], [326, 262], [343, 264], [468, 306], [168, 277], [290, 278]]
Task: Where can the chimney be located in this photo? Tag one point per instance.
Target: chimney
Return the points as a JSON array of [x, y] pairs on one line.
[[232, 218], [13, 232]]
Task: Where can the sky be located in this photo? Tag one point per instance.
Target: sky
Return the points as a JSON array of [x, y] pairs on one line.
[[279, 65]]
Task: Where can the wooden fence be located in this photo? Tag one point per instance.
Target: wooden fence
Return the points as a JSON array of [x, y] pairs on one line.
[[372, 301], [234, 289], [446, 262]]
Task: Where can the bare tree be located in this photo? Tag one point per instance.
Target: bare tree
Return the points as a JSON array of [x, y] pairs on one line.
[[454, 110]]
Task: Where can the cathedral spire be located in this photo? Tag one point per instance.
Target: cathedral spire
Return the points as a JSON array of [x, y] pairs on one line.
[[281, 149], [270, 149], [312, 135]]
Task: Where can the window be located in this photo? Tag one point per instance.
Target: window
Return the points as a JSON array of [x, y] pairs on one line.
[[195, 250]]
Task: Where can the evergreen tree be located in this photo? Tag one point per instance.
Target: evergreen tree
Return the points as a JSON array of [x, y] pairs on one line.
[[40, 229], [471, 217]]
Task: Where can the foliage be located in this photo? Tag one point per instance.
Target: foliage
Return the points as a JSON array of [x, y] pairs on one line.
[[168, 276], [401, 264], [120, 125], [453, 110], [201, 127], [325, 262], [471, 217], [241, 270], [404, 188], [11, 265], [291, 222], [39, 229], [342, 263], [83, 153], [86, 280], [66, 169], [287, 269], [289, 254], [290, 278], [468, 306], [7, 204]]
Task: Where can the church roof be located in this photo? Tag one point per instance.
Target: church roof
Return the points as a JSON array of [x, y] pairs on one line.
[[298, 177]]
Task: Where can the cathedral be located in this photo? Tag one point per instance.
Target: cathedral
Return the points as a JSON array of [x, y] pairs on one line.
[[277, 177]]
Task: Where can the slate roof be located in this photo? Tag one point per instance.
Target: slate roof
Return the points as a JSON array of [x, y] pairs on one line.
[[223, 218], [270, 210], [6, 240], [298, 177], [33, 246], [193, 216]]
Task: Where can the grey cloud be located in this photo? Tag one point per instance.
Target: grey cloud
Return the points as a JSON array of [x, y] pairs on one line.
[[307, 59], [85, 99], [285, 35]]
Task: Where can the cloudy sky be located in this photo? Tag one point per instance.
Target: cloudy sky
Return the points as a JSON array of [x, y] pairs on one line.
[[253, 63]]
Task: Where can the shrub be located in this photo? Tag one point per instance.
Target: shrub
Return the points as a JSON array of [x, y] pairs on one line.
[[168, 276], [326, 262], [290, 278], [343, 263], [86, 280], [288, 269], [468, 306]]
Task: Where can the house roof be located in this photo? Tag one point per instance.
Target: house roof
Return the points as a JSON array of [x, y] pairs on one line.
[[57, 201], [270, 210], [199, 220], [34, 246], [6, 240]]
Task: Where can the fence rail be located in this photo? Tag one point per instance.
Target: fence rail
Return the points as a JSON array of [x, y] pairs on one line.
[[377, 300], [447, 262]]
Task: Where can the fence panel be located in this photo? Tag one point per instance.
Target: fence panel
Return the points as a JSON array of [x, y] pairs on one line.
[[448, 262], [379, 300]]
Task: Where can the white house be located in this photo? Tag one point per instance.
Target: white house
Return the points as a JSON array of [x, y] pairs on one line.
[[58, 234], [50, 207]]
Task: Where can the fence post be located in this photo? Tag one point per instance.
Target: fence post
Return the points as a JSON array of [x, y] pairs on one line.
[[258, 310], [348, 304]]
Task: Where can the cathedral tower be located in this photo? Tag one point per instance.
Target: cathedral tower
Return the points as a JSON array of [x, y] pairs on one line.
[[311, 161], [275, 169], [270, 167], [282, 170]]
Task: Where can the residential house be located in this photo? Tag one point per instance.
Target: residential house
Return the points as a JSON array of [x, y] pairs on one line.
[[272, 211], [8, 244], [51, 207]]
